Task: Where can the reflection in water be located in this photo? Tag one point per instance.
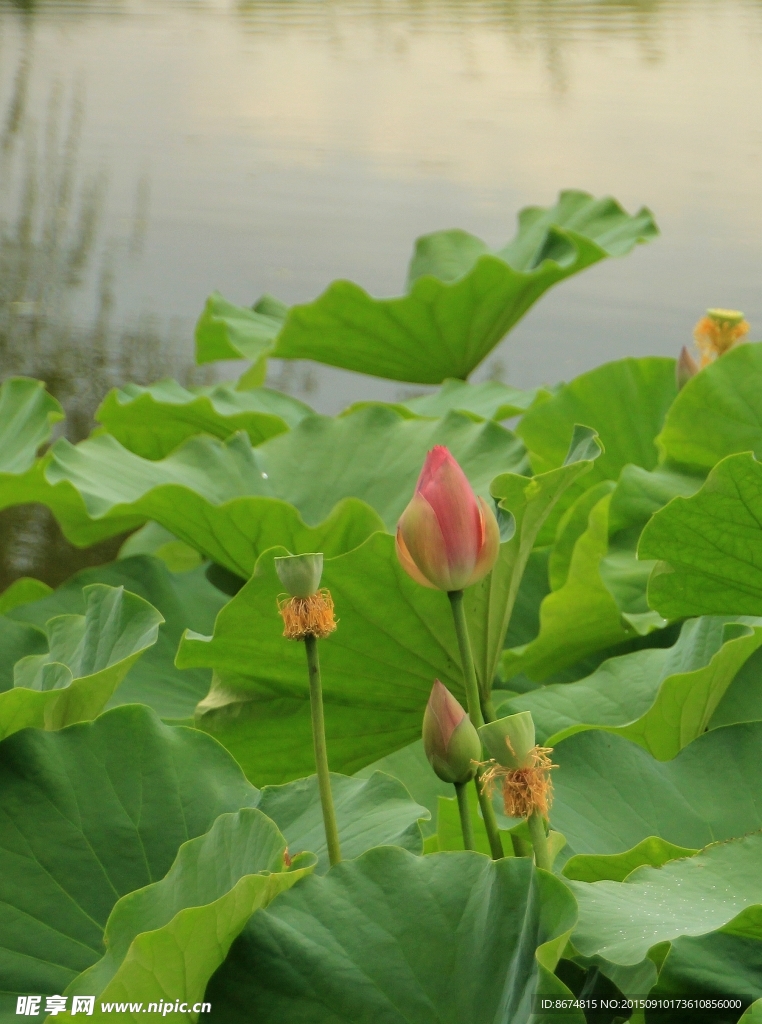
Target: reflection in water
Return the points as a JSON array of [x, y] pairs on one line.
[[50, 253]]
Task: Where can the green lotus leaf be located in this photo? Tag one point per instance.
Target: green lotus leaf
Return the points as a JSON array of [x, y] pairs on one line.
[[377, 811], [489, 604], [582, 616], [715, 889], [754, 1013], [610, 794], [662, 698], [462, 298], [154, 540], [231, 501], [717, 413], [490, 400], [592, 867], [394, 638], [87, 815], [164, 942], [709, 545], [410, 765], [88, 656], [27, 415], [210, 494], [743, 700], [406, 940], [226, 331], [186, 601], [377, 455], [625, 402], [22, 591], [153, 421], [17, 641], [718, 965]]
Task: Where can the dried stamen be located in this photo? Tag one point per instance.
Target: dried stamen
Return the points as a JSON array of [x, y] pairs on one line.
[[718, 332], [307, 616], [525, 790]]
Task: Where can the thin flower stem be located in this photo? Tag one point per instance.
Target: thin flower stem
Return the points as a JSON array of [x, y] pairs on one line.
[[321, 753], [475, 714], [488, 710], [465, 815], [536, 824]]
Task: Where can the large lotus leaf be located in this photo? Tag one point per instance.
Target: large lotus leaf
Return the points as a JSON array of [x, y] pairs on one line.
[[490, 400], [754, 1014], [377, 811], [594, 867], [710, 545], [719, 965], [399, 939], [164, 942], [393, 639], [27, 414], [411, 767], [88, 656], [226, 331], [186, 601], [743, 700], [22, 591], [662, 698], [489, 604], [717, 888], [462, 298], [153, 421], [610, 794], [17, 640], [625, 401], [212, 495], [717, 413], [87, 815], [377, 455], [579, 618]]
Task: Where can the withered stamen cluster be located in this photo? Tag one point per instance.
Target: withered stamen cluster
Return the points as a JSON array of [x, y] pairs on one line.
[[525, 790], [307, 616], [715, 336]]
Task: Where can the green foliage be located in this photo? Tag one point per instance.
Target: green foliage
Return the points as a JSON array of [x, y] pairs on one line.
[[459, 938], [710, 545], [662, 698], [139, 863], [462, 298], [87, 658]]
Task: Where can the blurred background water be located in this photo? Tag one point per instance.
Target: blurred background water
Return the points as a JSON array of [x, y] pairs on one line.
[[153, 151]]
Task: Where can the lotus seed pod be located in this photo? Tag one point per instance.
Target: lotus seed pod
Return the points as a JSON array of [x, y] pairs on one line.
[[300, 574]]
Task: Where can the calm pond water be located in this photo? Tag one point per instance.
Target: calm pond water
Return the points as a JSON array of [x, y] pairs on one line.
[[151, 152]]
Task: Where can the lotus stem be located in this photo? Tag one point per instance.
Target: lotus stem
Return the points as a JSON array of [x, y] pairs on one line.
[[488, 710], [321, 753], [475, 714], [536, 824], [465, 815]]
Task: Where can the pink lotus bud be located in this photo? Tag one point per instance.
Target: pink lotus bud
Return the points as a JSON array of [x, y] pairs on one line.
[[451, 742], [686, 368], [447, 538]]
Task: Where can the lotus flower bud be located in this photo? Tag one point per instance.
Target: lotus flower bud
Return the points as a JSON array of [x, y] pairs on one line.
[[686, 368], [447, 538], [300, 574], [449, 738], [308, 611]]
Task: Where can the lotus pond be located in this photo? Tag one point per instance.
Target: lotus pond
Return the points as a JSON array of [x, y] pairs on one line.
[[517, 776]]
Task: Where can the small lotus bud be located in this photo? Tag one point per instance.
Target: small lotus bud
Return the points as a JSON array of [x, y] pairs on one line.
[[686, 368], [518, 765], [447, 538], [300, 574], [308, 611], [449, 738]]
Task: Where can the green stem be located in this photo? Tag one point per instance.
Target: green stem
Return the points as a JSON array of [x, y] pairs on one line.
[[536, 824], [465, 815], [488, 710], [475, 714], [521, 848], [321, 753]]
